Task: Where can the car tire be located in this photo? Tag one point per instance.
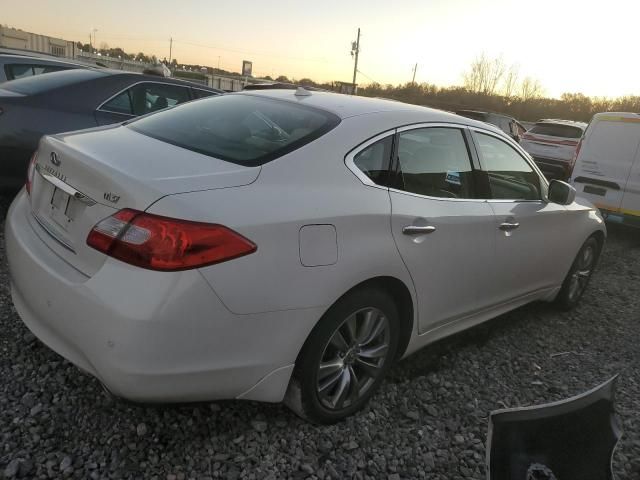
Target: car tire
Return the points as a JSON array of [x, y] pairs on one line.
[[579, 274], [345, 357]]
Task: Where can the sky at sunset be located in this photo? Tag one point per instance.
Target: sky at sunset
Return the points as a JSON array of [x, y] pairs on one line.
[[570, 46]]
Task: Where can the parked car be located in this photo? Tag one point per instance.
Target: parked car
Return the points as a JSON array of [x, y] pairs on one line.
[[73, 100], [20, 66], [552, 144], [507, 124], [607, 166], [284, 244]]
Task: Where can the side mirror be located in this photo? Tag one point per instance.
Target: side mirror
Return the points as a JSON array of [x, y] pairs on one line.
[[561, 192]]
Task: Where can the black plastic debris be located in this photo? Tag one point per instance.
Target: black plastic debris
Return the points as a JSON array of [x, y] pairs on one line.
[[572, 439]]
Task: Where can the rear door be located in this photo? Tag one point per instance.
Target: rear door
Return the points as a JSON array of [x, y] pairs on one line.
[[604, 166], [443, 232], [529, 232]]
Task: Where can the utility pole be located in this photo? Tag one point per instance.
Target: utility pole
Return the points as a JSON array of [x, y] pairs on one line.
[[355, 50], [170, 48], [414, 73]]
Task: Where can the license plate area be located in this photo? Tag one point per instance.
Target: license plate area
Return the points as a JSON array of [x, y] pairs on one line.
[[62, 208]]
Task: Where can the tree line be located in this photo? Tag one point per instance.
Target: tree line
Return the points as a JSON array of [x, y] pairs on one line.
[[489, 84]]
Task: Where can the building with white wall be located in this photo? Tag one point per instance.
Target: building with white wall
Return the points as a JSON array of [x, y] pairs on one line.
[[21, 40]]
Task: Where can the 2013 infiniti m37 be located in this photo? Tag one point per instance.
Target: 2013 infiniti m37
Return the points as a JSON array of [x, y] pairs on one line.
[[284, 245]]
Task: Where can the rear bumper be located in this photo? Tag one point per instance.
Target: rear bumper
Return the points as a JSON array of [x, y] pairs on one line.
[[150, 336]]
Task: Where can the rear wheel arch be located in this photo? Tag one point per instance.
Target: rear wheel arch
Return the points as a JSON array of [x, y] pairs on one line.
[[402, 298]]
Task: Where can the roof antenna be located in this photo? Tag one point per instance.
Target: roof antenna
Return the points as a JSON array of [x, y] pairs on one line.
[[302, 92]]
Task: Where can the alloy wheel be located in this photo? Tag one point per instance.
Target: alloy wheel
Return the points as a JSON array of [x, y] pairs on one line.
[[353, 358], [582, 273]]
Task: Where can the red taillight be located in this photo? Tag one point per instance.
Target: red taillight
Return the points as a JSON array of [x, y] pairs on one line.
[[163, 243], [30, 171]]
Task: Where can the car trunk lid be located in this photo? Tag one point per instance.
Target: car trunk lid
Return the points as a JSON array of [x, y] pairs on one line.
[[82, 178]]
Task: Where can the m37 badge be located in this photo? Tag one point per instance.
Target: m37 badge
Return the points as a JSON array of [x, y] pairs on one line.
[[111, 197]]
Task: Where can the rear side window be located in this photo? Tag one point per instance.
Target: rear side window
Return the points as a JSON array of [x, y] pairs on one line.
[[556, 130], [21, 70], [243, 129], [374, 160], [119, 104]]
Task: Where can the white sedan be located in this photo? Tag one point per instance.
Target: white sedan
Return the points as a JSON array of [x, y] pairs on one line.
[[284, 245]]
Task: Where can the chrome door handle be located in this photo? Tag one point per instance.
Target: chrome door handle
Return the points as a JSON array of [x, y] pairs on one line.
[[415, 230], [508, 226]]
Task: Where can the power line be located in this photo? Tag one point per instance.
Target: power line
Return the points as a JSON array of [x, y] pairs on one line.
[[362, 73]]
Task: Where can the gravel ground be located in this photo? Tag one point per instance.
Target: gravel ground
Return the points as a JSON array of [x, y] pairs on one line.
[[429, 419]]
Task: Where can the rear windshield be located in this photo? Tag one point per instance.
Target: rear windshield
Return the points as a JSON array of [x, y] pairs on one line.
[[41, 83], [556, 130], [243, 129]]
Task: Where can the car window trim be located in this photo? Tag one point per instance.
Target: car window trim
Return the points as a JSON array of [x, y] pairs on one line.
[[100, 109], [525, 156], [470, 151]]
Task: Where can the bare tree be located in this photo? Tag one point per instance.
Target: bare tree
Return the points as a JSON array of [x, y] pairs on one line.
[[530, 88], [510, 85], [485, 75]]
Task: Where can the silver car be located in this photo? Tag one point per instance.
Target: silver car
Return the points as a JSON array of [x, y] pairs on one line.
[[284, 245]]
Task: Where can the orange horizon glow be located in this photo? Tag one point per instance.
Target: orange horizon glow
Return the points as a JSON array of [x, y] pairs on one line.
[[569, 46]]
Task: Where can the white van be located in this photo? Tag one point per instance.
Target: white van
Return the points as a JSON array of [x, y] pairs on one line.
[[607, 168]]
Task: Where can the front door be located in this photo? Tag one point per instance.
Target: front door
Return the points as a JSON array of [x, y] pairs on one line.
[[532, 246], [443, 231]]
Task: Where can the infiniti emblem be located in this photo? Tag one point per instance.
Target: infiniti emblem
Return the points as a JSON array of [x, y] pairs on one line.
[[55, 160]]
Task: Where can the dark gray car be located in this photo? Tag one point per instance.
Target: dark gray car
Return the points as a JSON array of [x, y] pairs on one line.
[[74, 100]]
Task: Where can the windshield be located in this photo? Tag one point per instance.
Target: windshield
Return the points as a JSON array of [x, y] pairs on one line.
[[243, 129]]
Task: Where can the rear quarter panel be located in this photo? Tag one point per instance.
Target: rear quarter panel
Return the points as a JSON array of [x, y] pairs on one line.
[[309, 186]]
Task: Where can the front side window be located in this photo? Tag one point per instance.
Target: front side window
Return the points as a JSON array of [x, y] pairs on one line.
[[435, 162], [510, 176], [243, 129], [373, 161]]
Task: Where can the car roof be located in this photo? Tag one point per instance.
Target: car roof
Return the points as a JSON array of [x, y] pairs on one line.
[[345, 106], [618, 114], [40, 60], [70, 77]]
